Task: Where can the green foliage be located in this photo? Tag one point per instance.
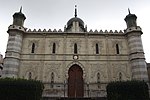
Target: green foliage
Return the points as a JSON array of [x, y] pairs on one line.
[[20, 89], [129, 90]]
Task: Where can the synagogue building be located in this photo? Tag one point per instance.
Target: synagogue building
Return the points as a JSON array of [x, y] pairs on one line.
[[75, 62]]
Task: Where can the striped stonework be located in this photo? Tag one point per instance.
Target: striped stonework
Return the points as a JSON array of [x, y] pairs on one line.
[[12, 57], [137, 58], [11, 67], [14, 43], [139, 70]]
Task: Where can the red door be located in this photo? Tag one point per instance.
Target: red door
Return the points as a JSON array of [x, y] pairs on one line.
[[75, 82]]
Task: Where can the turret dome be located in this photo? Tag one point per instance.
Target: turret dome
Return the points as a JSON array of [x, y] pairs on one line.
[[75, 19], [130, 20], [19, 18], [78, 20]]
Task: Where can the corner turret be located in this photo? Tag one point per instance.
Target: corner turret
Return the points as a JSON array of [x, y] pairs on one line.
[[130, 20], [136, 52], [18, 18], [14, 46]]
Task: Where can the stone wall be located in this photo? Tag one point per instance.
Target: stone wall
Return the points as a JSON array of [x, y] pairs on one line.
[[43, 61]]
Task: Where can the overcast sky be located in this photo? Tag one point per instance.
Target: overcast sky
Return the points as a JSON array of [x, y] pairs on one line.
[[96, 14]]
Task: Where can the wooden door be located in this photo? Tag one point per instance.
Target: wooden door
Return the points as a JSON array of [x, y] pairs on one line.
[[75, 82]]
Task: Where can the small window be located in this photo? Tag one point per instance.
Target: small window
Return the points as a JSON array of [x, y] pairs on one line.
[[120, 76], [117, 48], [97, 49], [52, 80], [29, 75], [54, 48], [75, 49], [98, 80], [33, 48]]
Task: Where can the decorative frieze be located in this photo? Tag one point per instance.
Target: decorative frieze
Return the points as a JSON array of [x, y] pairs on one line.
[[124, 69], [98, 68]]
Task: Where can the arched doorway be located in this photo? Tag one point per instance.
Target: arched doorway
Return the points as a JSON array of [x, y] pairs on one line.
[[75, 82]]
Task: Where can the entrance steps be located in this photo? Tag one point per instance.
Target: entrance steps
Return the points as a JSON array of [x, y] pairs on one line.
[[65, 98]]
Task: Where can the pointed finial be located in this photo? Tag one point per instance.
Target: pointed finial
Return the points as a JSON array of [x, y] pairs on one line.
[[75, 10], [129, 11], [21, 9]]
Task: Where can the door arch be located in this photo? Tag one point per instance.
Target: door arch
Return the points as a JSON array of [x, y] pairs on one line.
[[75, 82]]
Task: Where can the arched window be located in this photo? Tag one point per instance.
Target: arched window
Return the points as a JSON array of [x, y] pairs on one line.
[[98, 80], [75, 49], [54, 48], [29, 75], [97, 49], [117, 48], [120, 76], [52, 80], [33, 48]]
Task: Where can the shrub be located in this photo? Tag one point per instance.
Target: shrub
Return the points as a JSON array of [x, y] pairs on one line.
[[129, 90], [20, 89]]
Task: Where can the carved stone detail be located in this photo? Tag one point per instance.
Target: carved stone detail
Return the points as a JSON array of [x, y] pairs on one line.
[[54, 41], [57, 42], [72, 63], [78, 42], [30, 42], [100, 45], [30, 67], [98, 68], [52, 67], [114, 42], [123, 68]]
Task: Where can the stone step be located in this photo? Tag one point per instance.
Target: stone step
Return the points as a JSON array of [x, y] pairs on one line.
[[65, 98]]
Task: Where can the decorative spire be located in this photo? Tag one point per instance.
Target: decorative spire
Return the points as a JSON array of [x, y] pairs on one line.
[[19, 18], [130, 19], [129, 11], [21, 9], [75, 11]]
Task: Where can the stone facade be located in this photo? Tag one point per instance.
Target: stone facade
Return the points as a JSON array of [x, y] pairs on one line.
[[148, 70], [47, 55], [1, 64]]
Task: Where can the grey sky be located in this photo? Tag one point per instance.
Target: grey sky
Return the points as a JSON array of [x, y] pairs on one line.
[[97, 14]]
